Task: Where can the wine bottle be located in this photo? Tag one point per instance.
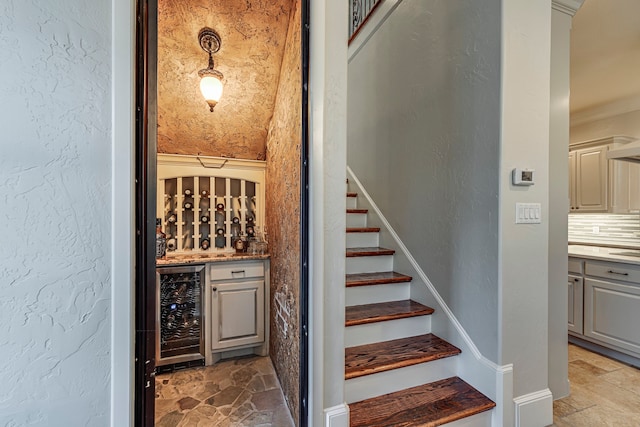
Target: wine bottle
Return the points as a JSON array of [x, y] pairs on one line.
[[188, 204], [220, 207], [204, 245], [204, 193], [204, 219], [172, 218], [161, 240], [188, 192]]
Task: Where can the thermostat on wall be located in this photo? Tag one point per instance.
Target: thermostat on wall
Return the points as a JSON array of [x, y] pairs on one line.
[[522, 176]]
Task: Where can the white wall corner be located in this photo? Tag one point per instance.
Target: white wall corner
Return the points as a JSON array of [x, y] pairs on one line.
[[570, 7], [503, 414], [337, 416], [534, 409]]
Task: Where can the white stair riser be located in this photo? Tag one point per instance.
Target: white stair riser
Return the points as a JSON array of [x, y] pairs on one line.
[[369, 264], [362, 240], [386, 331], [358, 295], [369, 386], [352, 202], [356, 220], [483, 419]]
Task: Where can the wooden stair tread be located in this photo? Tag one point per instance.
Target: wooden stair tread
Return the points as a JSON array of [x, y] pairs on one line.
[[380, 278], [384, 356], [380, 312], [428, 405], [352, 194], [370, 251], [357, 211], [363, 229]]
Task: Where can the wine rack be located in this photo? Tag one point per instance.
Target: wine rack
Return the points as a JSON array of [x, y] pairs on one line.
[[205, 210]]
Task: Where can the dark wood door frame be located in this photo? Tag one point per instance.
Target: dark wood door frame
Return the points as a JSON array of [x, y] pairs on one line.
[[145, 207], [304, 221]]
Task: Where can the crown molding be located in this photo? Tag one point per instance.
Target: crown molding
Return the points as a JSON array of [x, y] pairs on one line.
[[604, 111], [570, 7]]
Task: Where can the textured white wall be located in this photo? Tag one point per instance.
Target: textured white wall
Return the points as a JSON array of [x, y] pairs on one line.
[[55, 193], [424, 139]]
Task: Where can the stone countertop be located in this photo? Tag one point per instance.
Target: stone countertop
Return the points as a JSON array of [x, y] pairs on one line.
[[183, 259], [627, 256]]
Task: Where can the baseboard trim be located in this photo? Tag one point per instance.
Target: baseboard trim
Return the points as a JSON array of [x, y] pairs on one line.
[[534, 409], [337, 416]]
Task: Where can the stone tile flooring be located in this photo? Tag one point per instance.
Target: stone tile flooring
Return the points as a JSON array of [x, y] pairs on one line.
[[240, 392], [604, 392]]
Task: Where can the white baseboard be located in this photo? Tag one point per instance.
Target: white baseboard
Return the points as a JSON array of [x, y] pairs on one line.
[[534, 409], [337, 416]]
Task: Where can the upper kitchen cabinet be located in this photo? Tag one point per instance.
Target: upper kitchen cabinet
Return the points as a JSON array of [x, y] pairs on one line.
[[591, 179], [597, 184]]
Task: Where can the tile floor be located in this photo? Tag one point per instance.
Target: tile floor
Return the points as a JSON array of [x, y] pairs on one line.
[[604, 392], [240, 392]]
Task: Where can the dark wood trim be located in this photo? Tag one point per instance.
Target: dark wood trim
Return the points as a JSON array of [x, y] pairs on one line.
[[145, 202], [304, 222]]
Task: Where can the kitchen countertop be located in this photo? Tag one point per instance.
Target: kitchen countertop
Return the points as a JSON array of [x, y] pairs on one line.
[[205, 258], [627, 256]]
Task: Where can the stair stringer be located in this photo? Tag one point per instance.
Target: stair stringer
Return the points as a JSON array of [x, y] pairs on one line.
[[493, 380]]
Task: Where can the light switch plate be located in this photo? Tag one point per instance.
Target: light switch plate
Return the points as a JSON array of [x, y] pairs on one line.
[[528, 213]]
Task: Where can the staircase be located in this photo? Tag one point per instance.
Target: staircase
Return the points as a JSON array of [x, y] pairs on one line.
[[397, 373]]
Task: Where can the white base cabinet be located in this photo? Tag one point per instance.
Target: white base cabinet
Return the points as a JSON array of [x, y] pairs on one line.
[[612, 313], [604, 305], [575, 287], [238, 308]]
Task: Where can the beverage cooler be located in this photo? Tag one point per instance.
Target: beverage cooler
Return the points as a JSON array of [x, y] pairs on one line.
[[179, 318]]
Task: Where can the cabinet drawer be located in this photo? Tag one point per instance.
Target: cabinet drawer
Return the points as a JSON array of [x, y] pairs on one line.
[[616, 271], [575, 266], [235, 270]]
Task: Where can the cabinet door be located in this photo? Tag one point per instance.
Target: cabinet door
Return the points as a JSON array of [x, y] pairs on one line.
[[572, 181], [634, 187], [237, 314], [592, 179], [612, 314], [575, 287]]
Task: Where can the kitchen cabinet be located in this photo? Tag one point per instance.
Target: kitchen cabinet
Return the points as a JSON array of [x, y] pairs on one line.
[[238, 292], [575, 315], [610, 308], [612, 313], [590, 170], [575, 294], [597, 184]]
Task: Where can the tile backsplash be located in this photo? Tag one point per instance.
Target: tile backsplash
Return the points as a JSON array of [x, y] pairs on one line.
[[605, 229]]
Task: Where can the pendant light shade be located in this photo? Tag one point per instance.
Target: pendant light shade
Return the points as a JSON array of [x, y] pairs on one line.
[[210, 78]]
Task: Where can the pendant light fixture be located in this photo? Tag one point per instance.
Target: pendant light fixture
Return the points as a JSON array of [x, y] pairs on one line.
[[210, 79]]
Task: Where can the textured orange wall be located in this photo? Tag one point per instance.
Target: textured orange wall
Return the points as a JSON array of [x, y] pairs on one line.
[[283, 216], [253, 36]]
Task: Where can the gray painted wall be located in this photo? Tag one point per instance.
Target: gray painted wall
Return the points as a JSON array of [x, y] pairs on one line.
[[445, 99], [423, 137], [55, 203]]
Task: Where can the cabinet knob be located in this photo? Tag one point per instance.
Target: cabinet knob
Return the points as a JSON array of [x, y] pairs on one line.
[[575, 279], [214, 289]]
